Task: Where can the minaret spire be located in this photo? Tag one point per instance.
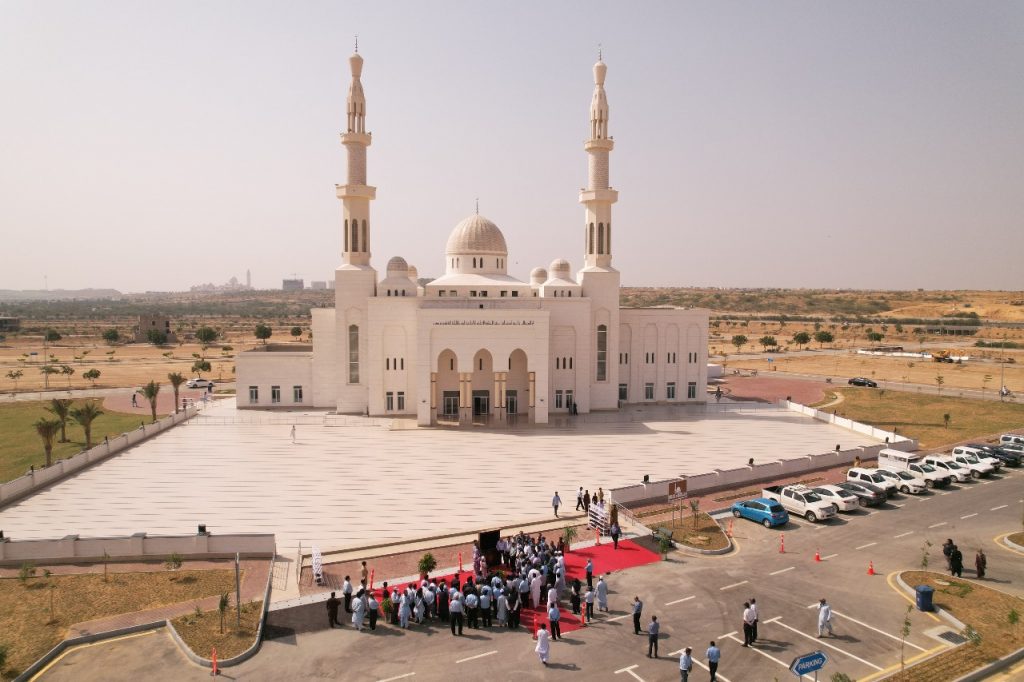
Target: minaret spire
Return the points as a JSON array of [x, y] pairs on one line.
[[355, 194], [598, 197]]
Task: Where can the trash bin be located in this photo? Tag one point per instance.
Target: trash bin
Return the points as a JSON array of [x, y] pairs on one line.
[[924, 597]]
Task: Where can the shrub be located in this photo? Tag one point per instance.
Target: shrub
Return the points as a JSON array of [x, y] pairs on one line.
[[173, 562], [27, 570], [427, 564]]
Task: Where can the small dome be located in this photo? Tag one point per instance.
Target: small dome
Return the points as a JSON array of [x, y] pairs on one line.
[[356, 63], [414, 274], [559, 269], [538, 276], [397, 266], [476, 235], [599, 72]]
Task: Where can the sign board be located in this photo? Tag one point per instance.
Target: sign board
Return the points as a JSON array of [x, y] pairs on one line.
[[677, 490], [808, 663]]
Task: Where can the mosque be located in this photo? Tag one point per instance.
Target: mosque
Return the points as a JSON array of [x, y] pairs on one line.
[[477, 345]]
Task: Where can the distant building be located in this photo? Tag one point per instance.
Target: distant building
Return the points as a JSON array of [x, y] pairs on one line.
[[330, 284], [293, 285], [9, 324], [319, 285], [154, 322], [232, 285], [248, 279]]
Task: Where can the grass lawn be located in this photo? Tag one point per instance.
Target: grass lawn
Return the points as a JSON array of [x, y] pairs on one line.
[[920, 416], [987, 611], [26, 624], [20, 445], [201, 631]]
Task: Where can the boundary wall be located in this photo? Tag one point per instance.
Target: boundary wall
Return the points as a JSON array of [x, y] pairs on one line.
[[62, 468], [137, 547]]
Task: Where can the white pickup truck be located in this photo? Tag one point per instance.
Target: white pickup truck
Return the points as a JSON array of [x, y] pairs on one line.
[[979, 454], [800, 500], [977, 467], [894, 460]]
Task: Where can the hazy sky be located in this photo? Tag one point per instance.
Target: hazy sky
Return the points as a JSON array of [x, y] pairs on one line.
[[152, 146]]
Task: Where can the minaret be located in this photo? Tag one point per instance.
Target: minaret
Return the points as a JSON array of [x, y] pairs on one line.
[[598, 197], [355, 194]]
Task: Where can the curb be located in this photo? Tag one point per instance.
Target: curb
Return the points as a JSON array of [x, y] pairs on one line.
[[1012, 545], [945, 614], [694, 551], [66, 644], [994, 667]]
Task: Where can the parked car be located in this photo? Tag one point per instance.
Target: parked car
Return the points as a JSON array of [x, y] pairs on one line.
[[983, 456], [868, 495], [199, 383], [862, 475], [947, 465], [766, 512], [895, 460], [842, 500], [800, 500], [1004, 454], [906, 482], [1011, 439], [978, 463], [862, 381]]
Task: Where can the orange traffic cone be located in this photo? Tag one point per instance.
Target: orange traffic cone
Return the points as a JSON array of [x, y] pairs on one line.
[[729, 532], [215, 671], [871, 568], [817, 555], [782, 543], [597, 536], [371, 578]]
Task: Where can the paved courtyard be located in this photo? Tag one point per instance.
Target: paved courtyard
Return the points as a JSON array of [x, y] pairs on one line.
[[345, 486]]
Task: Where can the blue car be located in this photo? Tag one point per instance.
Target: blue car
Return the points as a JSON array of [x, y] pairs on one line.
[[768, 513]]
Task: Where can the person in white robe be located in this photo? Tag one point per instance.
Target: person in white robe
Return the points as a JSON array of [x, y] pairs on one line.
[[543, 647]]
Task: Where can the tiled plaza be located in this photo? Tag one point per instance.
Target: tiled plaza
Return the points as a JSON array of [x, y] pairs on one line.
[[341, 486]]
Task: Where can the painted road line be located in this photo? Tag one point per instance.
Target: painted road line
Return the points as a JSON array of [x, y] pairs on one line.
[[968, 516], [782, 571], [903, 535], [630, 671], [680, 601], [936, 525], [898, 506], [946, 492], [396, 677], [473, 658], [1002, 506], [625, 615], [763, 653], [728, 634], [727, 587], [870, 544], [830, 556], [717, 676], [822, 642], [869, 627]]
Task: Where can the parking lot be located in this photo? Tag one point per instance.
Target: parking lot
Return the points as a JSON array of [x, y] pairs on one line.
[[695, 599]]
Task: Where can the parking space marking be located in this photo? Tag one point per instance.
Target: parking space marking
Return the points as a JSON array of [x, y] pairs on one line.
[[822, 642], [936, 525], [630, 671], [782, 571], [727, 587], [717, 676], [898, 506], [869, 627], [763, 653], [726, 635], [830, 556], [903, 535], [397, 677], [680, 601], [968, 516], [473, 658], [1002, 506], [870, 544], [985, 482], [945, 492], [625, 615]]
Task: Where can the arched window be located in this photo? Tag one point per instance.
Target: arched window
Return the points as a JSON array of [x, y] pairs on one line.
[[346, 234], [403, 363], [608, 238], [366, 242], [600, 237], [355, 235], [387, 363], [590, 242], [353, 354], [570, 363], [558, 363], [602, 352]]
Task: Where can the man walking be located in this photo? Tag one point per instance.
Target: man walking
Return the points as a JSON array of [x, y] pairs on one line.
[[579, 499], [652, 637], [753, 607], [685, 665], [332, 611], [602, 594], [556, 502], [590, 573], [293, 430], [615, 532], [748, 624], [554, 617], [824, 619], [638, 609], [714, 654], [455, 609], [956, 562], [980, 563], [346, 592], [543, 647], [588, 598]]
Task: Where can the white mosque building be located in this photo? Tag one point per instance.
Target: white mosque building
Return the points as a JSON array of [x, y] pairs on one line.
[[477, 345]]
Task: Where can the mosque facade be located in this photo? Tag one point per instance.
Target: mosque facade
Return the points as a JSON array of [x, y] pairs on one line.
[[476, 344]]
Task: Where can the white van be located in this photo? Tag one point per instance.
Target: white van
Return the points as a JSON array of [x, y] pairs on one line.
[[1011, 439], [979, 454], [896, 460], [946, 464]]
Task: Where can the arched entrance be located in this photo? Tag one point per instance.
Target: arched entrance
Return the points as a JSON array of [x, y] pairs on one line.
[[517, 388], [482, 385], [446, 389]]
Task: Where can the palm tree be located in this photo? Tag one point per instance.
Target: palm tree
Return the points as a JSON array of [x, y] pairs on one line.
[[150, 391], [85, 415], [47, 430], [61, 408], [176, 380]]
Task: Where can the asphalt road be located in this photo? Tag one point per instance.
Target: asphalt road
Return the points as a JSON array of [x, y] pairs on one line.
[[696, 599]]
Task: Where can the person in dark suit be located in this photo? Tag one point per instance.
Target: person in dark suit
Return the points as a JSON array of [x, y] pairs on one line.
[[333, 604]]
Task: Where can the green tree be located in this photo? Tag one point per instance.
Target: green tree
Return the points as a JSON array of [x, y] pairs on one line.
[[801, 339], [176, 379], [296, 332], [14, 375], [174, 562], [569, 534], [61, 409], [695, 510], [945, 418], [739, 341], [68, 371], [47, 430], [156, 337], [823, 337], [875, 337], [150, 392], [939, 380], [200, 366], [427, 563], [222, 606], [111, 336], [207, 335], [767, 342], [48, 370], [52, 336], [91, 375], [263, 332], [904, 633], [84, 416]]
